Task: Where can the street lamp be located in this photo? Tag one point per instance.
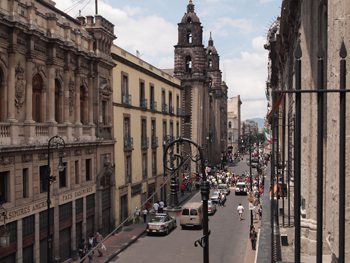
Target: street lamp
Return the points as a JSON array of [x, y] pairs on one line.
[[251, 176], [55, 142], [4, 234], [174, 200], [196, 157]]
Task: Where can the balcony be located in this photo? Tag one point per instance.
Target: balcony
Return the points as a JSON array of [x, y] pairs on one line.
[[171, 110], [128, 143], [127, 99], [153, 106], [144, 143], [165, 108], [143, 104], [154, 142]]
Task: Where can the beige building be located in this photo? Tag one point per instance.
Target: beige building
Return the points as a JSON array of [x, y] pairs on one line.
[[233, 123], [146, 105], [320, 27], [55, 79]]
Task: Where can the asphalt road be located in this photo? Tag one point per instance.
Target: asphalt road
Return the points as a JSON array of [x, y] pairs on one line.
[[227, 241]]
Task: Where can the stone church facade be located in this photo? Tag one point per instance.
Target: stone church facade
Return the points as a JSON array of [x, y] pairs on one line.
[[204, 98], [55, 79]]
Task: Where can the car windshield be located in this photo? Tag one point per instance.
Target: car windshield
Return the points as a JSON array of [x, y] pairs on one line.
[[185, 212], [194, 212], [157, 219]]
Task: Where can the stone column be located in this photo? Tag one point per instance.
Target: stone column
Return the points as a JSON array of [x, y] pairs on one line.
[[56, 230], [37, 238], [84, 218], [91, 106], [11, 88], [29, 91], [51, 95], [77, 99], [19, 254], [66, 96], [73, 232]]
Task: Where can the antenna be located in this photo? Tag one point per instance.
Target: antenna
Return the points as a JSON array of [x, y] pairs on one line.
[[96, 7]]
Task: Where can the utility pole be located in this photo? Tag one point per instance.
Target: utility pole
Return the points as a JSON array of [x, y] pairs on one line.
[[96, 7]]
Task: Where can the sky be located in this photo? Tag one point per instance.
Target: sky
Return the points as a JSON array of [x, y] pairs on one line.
[[238, 27]]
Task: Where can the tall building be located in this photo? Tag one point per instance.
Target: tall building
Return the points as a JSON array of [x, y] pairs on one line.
[[147, 113], [317, 33], [204, 95], [234, 123], [55, 79]]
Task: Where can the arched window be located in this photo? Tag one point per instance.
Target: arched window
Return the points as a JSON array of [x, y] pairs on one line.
[[2, 98], [37, 98], [189, 20], [210, 53], [229, 125], [83, 105], [58, 102], [210, 63], [189, 37], [188, 64]]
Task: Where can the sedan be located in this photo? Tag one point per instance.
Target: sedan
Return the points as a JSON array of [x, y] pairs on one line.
[[215, 197], [211, 208], [161, 223]]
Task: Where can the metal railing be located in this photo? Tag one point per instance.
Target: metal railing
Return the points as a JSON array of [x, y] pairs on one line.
[[127, 99], [144, 143], [128, 143], [154, 142], [143, 103], [153, 105]]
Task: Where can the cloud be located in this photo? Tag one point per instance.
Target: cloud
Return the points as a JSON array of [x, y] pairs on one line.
[[266, 1], [245, 75], [223, 24]]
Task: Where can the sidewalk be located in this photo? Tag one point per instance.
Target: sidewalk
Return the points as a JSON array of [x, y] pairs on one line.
[[128, 235]]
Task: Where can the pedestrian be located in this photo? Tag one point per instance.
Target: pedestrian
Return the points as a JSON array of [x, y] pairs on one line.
[[137, 215], [144, 214], [240, 210], [156, 207], [222, 199], [82, 248], [260, 211], [253, 236], [99, 238], [182, 188], [161, 206]]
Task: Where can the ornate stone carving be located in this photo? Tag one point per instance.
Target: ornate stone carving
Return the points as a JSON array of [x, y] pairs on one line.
[[59, 74], [40, 46], [89, 151], [42, 156], [71, 88], [19, 87], [105, 88], [77, 152], [5, 160], [21, 39], [27, 158]]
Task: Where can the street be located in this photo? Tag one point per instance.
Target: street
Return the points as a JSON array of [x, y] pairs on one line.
[[227, 242]]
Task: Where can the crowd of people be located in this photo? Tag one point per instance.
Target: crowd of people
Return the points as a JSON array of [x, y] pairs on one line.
[[86, 247]]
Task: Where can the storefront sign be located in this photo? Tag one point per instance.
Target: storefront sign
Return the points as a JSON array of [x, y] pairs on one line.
[[67, 197]]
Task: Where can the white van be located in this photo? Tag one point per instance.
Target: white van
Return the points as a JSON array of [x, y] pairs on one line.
[[192, 215]]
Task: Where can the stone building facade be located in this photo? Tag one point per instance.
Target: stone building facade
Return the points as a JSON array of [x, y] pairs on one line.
[[55, 79], [233, 123], [204, 95], [319, 27], [147, 114]]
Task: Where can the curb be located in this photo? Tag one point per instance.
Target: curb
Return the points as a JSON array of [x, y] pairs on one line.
[[135, 238]]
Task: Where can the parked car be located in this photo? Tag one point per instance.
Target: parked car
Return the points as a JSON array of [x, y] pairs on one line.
[[224, 188], [241, 188], [161, 223]]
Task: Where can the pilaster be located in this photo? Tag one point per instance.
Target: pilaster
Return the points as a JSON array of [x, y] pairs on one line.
[[36, 237], [11, 89], [19, 254]]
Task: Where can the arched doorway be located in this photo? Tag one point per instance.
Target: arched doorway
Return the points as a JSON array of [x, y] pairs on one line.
[[37, 98]]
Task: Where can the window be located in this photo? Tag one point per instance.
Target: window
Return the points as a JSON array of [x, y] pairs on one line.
[[43, 171], [58, 102], [79, 206], [37, 85], [65, 212], [210, 63], [4, 187], [171, 129], [127, 127], [28, 226], [127, 169], [154, 163], [125, 87], [170, 102], [188, 64], [63, 177], [142, 95], [104, 112], [229, 125], [153, 128], [177, 103], [77, 171], [144, 166], [164, 130], [189, 37], [83, 105], [25, 183], [88, 169], [143, 133], [164, 106], [177, 129], [151, 96]]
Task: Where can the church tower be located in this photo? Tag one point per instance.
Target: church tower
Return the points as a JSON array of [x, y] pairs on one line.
[[190, 68]]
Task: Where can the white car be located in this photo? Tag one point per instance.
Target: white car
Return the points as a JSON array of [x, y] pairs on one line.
[[241, 188], [215, 197], [224, 188], [161, 223]]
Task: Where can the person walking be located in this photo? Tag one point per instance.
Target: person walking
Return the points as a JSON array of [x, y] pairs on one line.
[[144, 214], [253, 236], [240, 210], [99, 244], [156, 207], [161, 206]]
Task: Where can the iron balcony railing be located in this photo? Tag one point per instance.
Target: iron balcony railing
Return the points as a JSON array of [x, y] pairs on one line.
[[180, 112], [154, 142], [164, 108], [127, 99], [143, 103], [153, 105], [128, 143], [171, 109], [144, 143]]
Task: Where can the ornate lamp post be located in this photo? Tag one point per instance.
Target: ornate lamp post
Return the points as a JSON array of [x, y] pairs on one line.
[[197, 157], [251, 176], [55, 142], [4, 234]]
